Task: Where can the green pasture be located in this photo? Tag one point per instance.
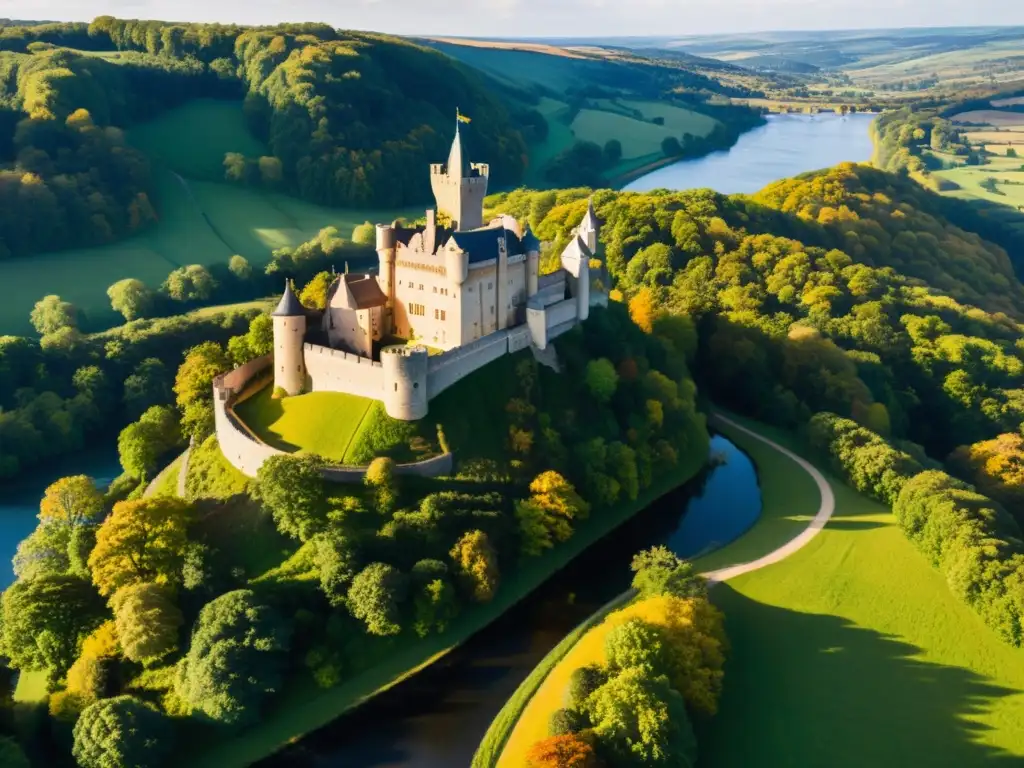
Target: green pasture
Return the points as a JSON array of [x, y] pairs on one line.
[[322, 423], [970, 177], [639, 137], [853, 652], [524, 69], [192, 139], [200, 222]]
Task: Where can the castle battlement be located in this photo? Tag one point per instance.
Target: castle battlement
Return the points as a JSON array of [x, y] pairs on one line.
[[472, 291]]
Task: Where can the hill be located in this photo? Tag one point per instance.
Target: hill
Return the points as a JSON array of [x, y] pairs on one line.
[[566, 96]]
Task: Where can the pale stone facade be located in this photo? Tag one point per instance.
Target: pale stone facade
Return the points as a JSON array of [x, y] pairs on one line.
[[471, 291]]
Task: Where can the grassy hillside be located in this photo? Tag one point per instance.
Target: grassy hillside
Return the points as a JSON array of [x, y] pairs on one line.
[[853, 651], [201, 221]]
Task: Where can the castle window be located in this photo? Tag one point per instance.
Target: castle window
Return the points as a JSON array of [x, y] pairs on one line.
[[396, 386], [442, 314], [490, 286], [421, 286], [436, 314], [435, 289], [415, 385]]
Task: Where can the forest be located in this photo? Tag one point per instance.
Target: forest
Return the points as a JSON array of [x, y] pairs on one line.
[[349, 118], [168, 624]]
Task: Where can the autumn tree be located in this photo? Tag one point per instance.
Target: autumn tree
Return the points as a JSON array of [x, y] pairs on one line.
[[380, 478], [292, 488], [566, 751], [147, 621], [71, 502], [314, 293], [476, 564], [365, 234], [547, 517], [141, 541]]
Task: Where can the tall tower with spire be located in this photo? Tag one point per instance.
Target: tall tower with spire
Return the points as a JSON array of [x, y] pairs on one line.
[[460, 186]]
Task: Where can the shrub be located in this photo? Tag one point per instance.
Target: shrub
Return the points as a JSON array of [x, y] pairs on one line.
[[565, 721], [659, 571], [121, 731], [583, 682], [568, 751]]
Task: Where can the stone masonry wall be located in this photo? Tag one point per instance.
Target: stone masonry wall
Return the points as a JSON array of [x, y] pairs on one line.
[[246, 452], [331, 370], [445, 370]]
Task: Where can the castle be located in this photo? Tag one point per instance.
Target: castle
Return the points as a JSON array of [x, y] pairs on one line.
[[470, 292]]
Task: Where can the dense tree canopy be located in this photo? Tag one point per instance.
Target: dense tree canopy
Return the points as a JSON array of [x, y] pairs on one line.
[[122, 731], [235, 659]]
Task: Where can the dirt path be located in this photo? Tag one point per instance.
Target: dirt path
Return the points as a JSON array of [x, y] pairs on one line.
[[825, 510]]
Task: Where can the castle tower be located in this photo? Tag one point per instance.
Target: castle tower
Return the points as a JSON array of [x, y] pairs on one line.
[[532, 247], [576, 261], [589, 227], [289, 335], [386, 274], [460, 187], [405, 381]]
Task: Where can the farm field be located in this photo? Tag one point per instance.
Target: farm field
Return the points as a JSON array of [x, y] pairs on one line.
[[996, 117], [321, 423], [200, 222], [639, 137], [854, 634]]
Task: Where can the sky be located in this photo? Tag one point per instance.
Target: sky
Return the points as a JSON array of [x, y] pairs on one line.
[[545, 18]]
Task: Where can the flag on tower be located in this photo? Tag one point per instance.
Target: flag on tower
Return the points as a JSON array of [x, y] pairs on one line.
[[461, 117]]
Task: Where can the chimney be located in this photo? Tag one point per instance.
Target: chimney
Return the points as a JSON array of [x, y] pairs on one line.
[[430, 234]]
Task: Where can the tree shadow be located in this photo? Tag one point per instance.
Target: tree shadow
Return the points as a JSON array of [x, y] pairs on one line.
[[853, 524], [815, 690]]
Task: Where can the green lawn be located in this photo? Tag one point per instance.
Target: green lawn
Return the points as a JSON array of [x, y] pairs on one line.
[[31, 688], [203, 221], [639, 138], [853, 652], [323, 423], [167, 481]]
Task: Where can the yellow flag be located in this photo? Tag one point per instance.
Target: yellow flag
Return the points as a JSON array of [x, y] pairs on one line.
[[462, 118]]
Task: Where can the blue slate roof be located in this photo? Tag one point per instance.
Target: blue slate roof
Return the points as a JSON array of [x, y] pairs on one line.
[[482, 244]]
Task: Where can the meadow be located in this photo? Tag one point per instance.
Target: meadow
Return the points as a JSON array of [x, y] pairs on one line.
[[321, 423], [631, 123], [201, 221], [850, 652]]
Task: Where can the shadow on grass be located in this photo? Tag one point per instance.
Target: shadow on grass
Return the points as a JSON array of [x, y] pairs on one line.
[[815, 690], [854, 524]]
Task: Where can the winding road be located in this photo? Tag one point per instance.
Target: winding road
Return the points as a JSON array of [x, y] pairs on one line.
[[825, 510]]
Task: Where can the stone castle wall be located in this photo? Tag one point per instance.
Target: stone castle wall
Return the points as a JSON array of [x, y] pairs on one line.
[[331, 370], [246, 452], [445, 370]]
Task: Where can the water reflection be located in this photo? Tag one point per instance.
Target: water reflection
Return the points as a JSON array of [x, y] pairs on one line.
[[437, 718]]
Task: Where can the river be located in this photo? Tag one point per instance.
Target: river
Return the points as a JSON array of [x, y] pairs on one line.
[[19, 501], [437, 718], [787, 145]]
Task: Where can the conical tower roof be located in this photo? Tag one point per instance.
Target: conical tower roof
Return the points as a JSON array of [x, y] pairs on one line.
[[589, 223], [289, 306], [457, 160]]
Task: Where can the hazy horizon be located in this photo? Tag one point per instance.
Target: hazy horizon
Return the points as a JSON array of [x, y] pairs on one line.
[[539, 19]]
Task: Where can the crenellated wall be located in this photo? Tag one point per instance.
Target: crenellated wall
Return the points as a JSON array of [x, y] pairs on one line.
[[445, 370], [246, 452], [331, 370]]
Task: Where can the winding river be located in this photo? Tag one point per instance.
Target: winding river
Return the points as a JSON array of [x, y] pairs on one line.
[[787, 145], [437, 718]]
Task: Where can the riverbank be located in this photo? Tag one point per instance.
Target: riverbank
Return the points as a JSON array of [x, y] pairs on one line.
[[524, 719], [305, 708], [855, 640]]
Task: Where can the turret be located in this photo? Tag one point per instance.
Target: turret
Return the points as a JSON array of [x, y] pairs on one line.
[[289, 335], [456, 263], [460, 187], [532, 247], [576, 261], [405, 381], [386, 273], [589, 227]]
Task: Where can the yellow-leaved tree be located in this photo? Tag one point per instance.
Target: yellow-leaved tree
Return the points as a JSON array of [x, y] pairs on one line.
[[141, 541], [696, 644], [71, 501]]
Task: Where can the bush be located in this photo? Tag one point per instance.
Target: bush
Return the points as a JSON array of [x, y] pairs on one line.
[[659, 571], [583, 682], [565, 721], [122, 731]]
